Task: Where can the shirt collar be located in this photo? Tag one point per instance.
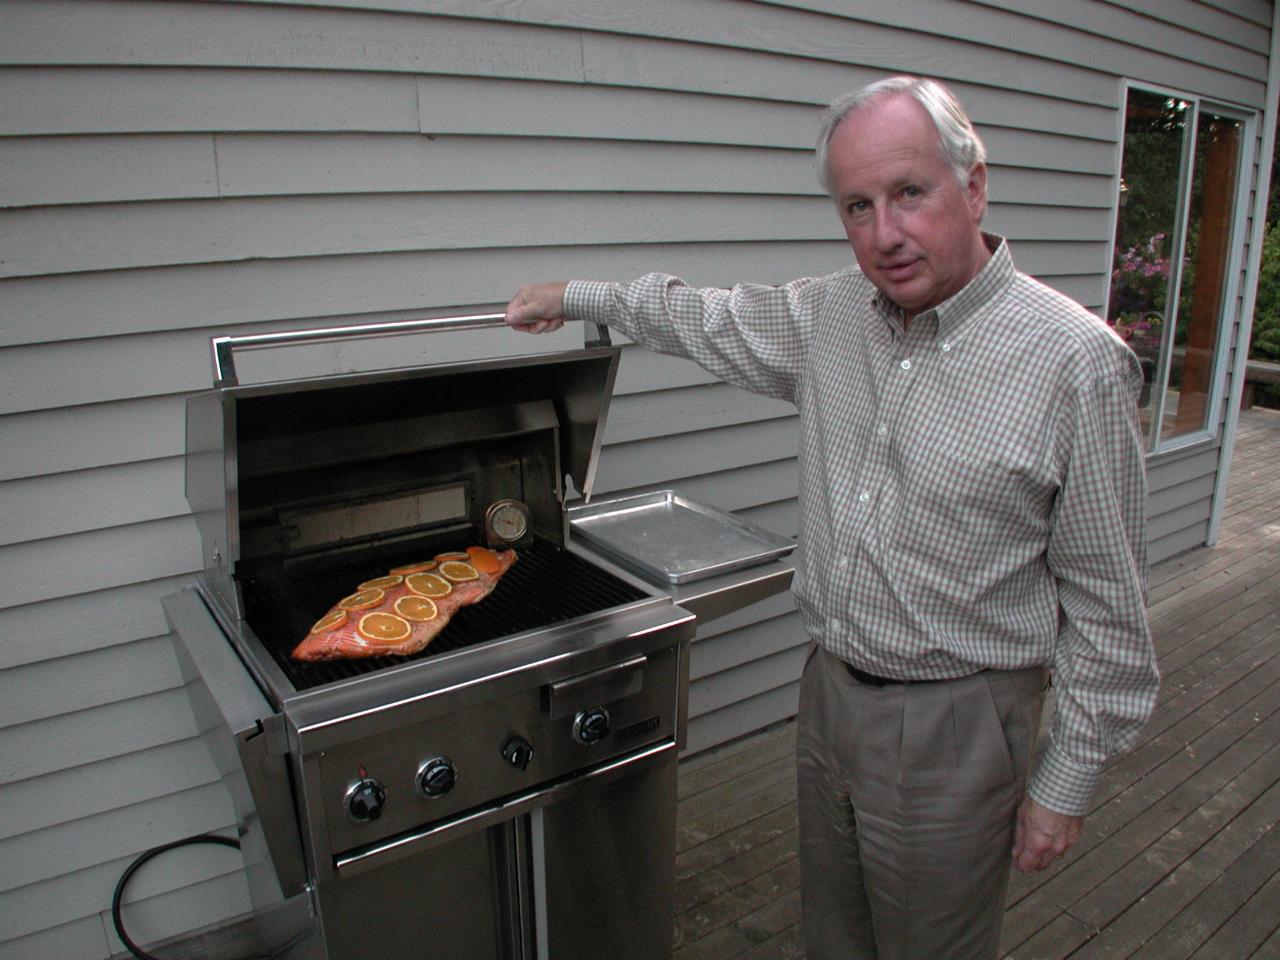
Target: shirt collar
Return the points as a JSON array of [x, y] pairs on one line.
[[952, 314]]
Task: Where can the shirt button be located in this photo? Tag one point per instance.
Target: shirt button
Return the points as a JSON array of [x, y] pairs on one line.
[[946, 348], [906, 364], [863, 497], [882, 430], [843, 563], [834, 625]]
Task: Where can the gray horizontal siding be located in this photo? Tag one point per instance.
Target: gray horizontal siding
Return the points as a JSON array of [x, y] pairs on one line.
[[1094, 37], [79, 938], [109, 237], [60, 797], [781, 515], [60, 439], [763, 638], [84, 620], [171, 171], [83, 500], [94, 734], [1001, 48], [105, 168], [200, 885], [118, 556], [274, 34], [243, 294], [52, 688], [83, 844], [240, 294], [1256, 11], [645, 462], [240, 103], [1211, 22]]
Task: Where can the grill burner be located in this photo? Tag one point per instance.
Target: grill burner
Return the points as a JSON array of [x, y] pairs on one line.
[[547, 585]]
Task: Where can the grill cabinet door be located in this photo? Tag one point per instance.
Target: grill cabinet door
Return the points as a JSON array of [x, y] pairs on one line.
[[610, 867], [454, 903]]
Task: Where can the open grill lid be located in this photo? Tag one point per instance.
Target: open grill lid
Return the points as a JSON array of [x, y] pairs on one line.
[[280, 470]]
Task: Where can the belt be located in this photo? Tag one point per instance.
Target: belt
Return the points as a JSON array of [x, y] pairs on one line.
[[871, 680]]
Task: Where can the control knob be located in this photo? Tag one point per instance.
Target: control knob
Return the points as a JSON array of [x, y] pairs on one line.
[[437, 776], [591, 726], [518, 752], [365, 800]]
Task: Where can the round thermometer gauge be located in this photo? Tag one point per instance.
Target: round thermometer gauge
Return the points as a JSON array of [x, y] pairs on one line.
[[506, 522]]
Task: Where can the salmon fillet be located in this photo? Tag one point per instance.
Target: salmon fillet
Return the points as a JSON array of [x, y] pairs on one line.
[[401, 613]]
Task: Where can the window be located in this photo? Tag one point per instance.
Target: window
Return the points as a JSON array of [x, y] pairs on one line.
[[1177, 261]]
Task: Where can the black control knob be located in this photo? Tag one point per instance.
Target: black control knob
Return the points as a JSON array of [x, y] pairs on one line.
[[591, 726], [366, 799], [437, 776], [518, 752]]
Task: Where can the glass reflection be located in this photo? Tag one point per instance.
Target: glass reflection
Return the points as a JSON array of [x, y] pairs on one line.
[[1204, 275], [1156, 128]]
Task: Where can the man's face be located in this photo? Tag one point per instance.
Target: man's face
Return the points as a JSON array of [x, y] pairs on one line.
[[914, 228]]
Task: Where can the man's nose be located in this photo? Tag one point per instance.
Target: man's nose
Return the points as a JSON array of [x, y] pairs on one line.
[[888, 229]]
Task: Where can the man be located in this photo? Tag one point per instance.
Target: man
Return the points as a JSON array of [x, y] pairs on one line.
[[971, 497]]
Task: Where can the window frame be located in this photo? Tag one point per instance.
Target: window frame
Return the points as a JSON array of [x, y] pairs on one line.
[[1157, 444]]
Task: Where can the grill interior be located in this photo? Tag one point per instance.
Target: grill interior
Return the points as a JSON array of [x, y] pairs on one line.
[[547, 585]]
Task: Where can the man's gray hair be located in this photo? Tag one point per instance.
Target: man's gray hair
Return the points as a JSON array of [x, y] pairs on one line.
[[961, 146]]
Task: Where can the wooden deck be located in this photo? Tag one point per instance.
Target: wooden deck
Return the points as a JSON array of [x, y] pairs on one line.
[[1180, 857]]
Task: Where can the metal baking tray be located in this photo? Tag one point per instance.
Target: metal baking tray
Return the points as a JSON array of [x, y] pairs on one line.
[[670, 538]]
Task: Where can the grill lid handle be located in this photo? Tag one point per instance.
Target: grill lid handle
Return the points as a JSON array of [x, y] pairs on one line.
[[224, 364]]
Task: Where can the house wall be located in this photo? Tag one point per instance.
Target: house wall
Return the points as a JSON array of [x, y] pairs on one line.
[[170, 171]]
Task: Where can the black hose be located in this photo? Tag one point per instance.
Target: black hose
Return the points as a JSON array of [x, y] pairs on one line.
[[118, 896]]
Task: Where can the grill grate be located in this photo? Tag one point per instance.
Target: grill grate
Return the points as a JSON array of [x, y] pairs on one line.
[[547, 585]]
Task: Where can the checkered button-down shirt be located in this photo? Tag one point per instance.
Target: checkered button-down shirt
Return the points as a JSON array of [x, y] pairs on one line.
[[972, 485]]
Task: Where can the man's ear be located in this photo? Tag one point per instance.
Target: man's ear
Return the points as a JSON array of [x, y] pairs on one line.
[[977, 191]]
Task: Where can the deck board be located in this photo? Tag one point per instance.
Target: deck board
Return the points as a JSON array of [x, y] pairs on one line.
[[1180, 858]]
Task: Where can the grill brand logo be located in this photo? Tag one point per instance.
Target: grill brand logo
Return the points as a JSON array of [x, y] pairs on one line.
[[639, 729]]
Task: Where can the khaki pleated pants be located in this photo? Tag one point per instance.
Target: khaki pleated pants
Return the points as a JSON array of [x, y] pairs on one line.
[[907, 799]]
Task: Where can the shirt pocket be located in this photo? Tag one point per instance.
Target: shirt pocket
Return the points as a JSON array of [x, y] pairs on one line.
[[966, 518], [994, 483]]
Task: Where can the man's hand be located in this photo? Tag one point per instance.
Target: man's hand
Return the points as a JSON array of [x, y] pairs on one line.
[[1041, 836], [538, 308]]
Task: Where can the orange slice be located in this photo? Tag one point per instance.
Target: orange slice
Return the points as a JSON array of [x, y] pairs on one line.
[[458, 571], [428, 585], [362, 600], [416, 608], [332, 619], [384, 626], [409, 568], [380, 583], [484, 560], [451, 555]]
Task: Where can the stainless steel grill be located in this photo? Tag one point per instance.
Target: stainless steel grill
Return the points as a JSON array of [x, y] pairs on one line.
[[507, 792]]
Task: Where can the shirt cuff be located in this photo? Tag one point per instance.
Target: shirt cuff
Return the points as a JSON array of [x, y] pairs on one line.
[[1062, 785], [590, 300]]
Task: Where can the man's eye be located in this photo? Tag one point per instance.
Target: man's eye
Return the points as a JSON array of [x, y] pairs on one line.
[[858, 207], [911, 192]]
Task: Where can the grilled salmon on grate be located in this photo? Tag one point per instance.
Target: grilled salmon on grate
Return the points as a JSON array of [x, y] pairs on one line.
[[400, 613]]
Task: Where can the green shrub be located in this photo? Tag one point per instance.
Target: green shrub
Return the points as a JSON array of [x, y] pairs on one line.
[[1264, 343]]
